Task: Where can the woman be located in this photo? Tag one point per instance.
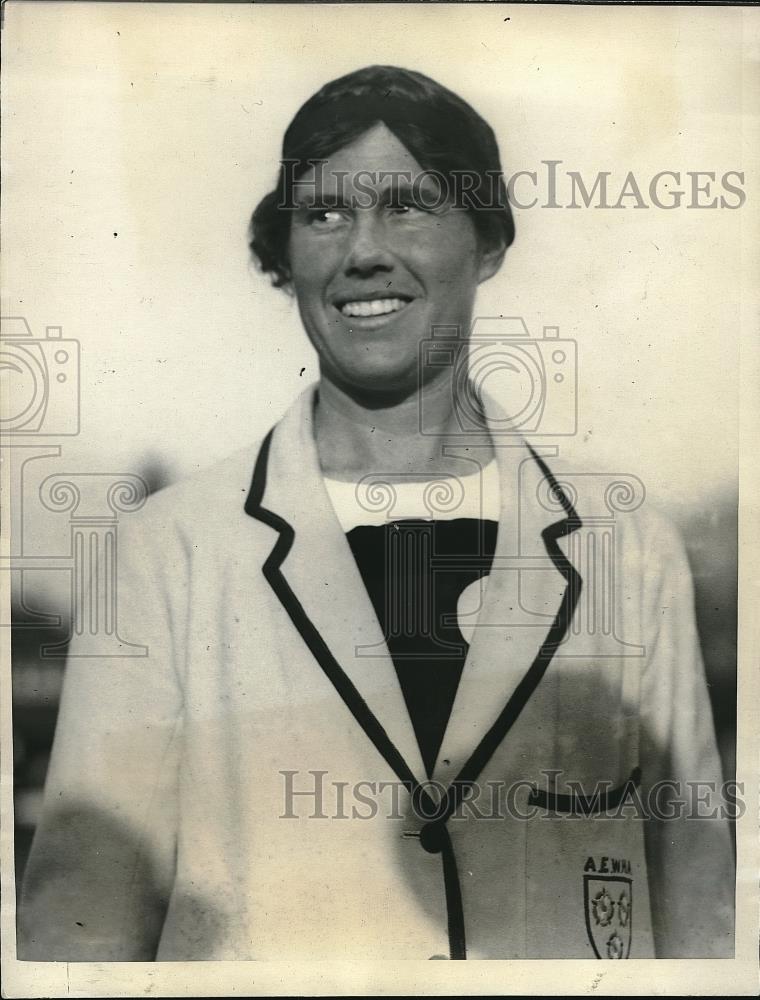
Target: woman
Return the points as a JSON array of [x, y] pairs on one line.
[[361, 625]]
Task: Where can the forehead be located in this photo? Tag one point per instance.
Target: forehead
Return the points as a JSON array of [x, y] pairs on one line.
[[376, 151]]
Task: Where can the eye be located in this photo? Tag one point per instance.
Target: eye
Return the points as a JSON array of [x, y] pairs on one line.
[[407, 206], [417, 205], [325, 218]]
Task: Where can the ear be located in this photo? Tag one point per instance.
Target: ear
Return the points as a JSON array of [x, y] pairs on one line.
[[491, 260], [285, 275]]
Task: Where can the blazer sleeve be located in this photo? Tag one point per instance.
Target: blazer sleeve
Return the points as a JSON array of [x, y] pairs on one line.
[[101, 865], [689, 856]]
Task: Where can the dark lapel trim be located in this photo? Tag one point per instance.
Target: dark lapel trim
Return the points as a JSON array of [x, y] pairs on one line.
[[310, 635], [351, 697], [353, 700], [522, 693], [438, 840]]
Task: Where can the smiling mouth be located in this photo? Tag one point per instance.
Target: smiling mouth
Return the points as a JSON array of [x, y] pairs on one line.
[[372, 307]]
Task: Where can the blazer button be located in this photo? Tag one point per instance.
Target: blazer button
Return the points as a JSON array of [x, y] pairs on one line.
[[432, 837]]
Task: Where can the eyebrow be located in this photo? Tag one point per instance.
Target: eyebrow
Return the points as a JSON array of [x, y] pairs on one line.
[[390, 193], [403, 189], [318, 200], [397, 189]]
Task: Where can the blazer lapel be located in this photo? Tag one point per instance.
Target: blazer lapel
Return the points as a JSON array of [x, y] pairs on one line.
[[527, 605], [529, 599], [313, 572]]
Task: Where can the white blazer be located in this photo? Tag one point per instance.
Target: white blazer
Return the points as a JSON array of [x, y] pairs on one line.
[[168, 828]]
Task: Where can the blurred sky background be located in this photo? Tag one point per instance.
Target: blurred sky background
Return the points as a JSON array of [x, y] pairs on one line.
[[137, 139]]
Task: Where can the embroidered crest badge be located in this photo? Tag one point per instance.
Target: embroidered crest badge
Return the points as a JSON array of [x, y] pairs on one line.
[[608, 903]]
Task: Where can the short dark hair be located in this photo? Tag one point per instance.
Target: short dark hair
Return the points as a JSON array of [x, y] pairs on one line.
[[439, 129]]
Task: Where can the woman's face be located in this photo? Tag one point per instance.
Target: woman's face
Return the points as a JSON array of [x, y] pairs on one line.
[[374, 270]]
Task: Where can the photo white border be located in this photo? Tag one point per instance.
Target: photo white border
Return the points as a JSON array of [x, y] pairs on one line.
[[738, 977]]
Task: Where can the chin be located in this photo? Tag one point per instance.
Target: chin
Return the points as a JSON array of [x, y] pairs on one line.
[[381, 381]]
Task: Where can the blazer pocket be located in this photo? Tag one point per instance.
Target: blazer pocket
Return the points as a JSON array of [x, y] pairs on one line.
[[599, 801]]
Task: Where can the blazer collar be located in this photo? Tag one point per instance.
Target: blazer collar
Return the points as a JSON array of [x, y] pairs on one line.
[[313, 573]]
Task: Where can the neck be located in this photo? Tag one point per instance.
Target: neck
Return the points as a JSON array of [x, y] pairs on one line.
[[356, 437]]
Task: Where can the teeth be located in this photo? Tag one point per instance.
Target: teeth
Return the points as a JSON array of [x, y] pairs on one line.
[[373, 307]]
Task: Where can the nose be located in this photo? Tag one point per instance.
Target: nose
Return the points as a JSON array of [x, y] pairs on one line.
[[368, 252]]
